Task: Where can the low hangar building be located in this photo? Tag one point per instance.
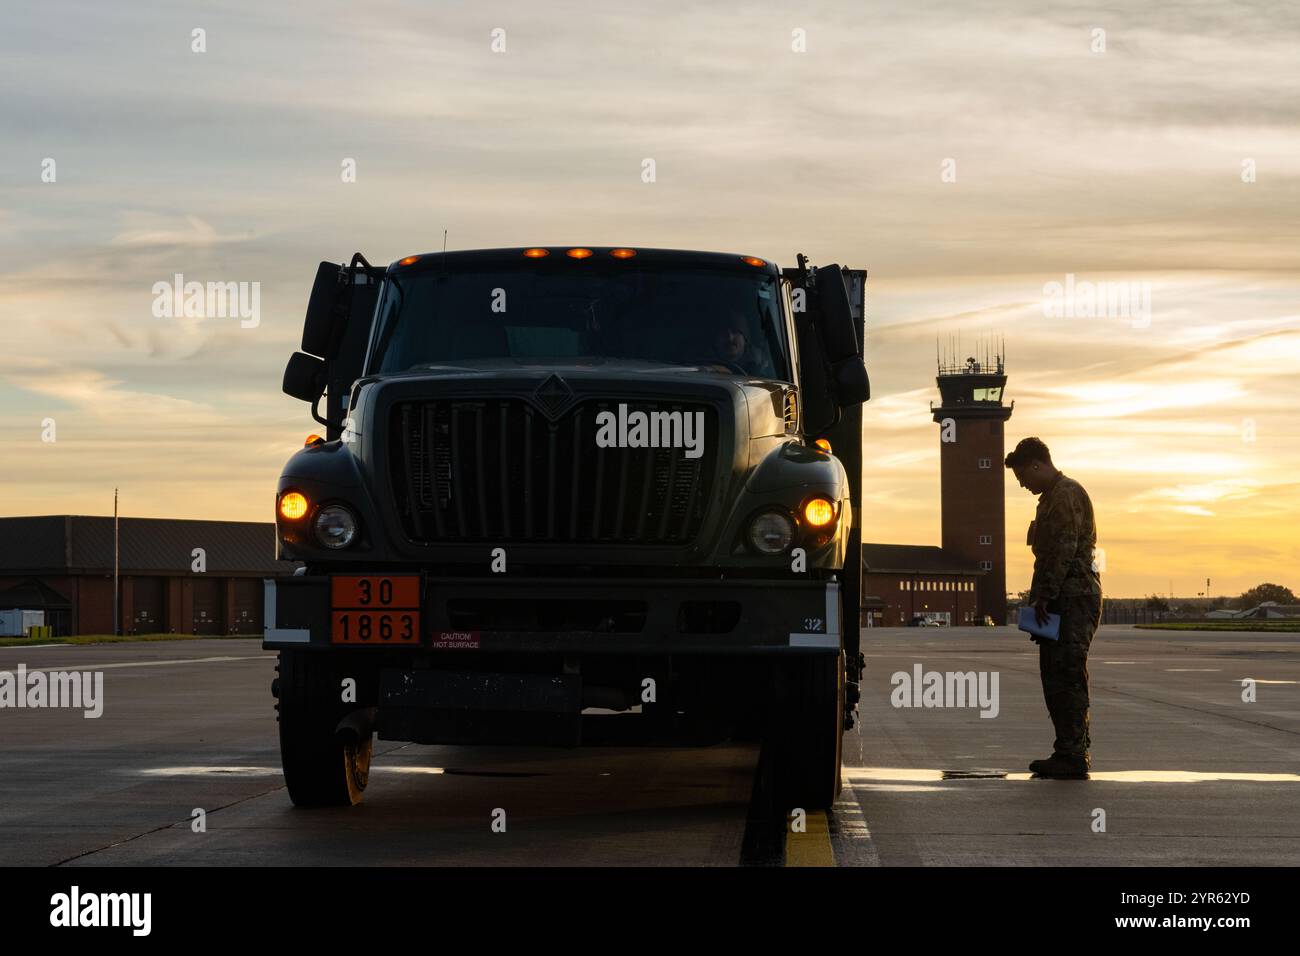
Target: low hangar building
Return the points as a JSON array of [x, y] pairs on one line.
[[63, 564]]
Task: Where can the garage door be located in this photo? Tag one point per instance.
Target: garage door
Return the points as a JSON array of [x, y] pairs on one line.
[[247, 601], [207, 606], [146, 606]]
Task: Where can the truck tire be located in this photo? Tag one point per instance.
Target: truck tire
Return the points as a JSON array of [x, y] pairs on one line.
[[320, 768], [809, 732]]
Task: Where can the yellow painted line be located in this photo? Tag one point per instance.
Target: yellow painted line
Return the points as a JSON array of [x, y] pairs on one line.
[[813, 846]]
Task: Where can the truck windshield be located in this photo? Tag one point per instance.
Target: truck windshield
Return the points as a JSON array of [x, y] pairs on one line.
[[718, 319]]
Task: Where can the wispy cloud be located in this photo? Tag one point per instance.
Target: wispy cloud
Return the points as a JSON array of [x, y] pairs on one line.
[[164, 231], [225, 166]]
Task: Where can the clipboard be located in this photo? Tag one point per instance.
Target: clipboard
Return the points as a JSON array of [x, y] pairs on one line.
[[1026, 620]]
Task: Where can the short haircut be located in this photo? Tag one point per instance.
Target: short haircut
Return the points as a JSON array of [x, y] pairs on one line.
[[1029, 450], [734, 320]]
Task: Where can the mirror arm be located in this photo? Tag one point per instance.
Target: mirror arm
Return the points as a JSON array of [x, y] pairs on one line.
[[359, 259], [344, 306], [316, 415], [802, 261]]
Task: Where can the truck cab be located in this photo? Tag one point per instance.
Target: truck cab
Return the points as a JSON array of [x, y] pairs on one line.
[[557, 481]]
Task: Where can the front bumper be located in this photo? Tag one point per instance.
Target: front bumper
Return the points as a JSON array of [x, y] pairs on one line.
[[642, 616]]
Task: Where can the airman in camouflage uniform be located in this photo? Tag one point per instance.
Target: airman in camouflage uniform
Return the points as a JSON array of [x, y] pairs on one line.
[[1066, 582]]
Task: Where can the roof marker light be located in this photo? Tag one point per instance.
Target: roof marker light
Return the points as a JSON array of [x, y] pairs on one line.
[[752, 261], [409, 260], [578, 253], [536, 253], [622, 253]]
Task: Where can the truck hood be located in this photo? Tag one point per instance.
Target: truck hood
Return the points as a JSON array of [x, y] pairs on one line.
[[760, 404]]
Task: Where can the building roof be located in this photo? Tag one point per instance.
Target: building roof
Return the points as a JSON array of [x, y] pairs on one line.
[[1269, 609], [31, 595], [915, 557], [55, 544], [1273, 609]]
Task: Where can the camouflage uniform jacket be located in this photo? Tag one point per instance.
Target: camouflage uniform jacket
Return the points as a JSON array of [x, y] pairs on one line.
[[1064, 538]]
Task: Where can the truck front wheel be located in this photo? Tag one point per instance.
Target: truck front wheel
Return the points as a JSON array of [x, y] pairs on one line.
[[321, 767], [807, 731]]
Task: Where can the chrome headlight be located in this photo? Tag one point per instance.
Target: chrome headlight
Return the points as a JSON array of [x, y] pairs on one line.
[[335, 526], [771, 532]]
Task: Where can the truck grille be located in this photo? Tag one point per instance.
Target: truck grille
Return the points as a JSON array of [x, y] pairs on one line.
[[498, 470]]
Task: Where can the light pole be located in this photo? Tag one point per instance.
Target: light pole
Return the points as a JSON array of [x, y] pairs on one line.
[[115, 565]]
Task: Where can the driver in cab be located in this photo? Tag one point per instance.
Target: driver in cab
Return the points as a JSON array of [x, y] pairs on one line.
[[731, 347]]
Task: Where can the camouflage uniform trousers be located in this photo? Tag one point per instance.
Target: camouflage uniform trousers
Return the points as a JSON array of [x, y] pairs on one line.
[[1063, 666]]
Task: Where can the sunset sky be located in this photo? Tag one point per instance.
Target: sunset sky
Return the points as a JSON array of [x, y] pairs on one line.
[[1122, 165]]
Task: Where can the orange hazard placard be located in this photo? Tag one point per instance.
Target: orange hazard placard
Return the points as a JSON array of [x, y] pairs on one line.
[[375, 609], [397, 591], [375, 627]]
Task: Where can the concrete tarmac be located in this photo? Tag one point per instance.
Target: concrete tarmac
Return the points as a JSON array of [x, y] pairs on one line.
[[190, 725], [1174, 750]]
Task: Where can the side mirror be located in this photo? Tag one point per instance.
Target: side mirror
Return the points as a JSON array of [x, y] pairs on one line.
[[305, 377], [839, 338], [849, 383], [322, 328]]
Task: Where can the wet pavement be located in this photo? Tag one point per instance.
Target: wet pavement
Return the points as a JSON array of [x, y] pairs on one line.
[[1185, 771]]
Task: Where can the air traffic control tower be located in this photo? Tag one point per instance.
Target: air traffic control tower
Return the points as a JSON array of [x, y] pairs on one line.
[[972, 475]]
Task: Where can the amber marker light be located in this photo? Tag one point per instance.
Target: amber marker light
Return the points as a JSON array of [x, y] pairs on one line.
[[819, 512], [313, 440], [535, 253], [293, 505], [622, 253], [752, 261], [409, 260], [578, 253], [823, 444]]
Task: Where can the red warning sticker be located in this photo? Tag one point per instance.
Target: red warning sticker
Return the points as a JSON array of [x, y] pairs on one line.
[[456, 640]]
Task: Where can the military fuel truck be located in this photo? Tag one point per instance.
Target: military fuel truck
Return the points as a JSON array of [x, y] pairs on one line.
[[560, 486]]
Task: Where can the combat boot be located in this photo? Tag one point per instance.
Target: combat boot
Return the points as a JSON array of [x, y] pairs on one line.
[[1063, 766], [1036, 765]]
